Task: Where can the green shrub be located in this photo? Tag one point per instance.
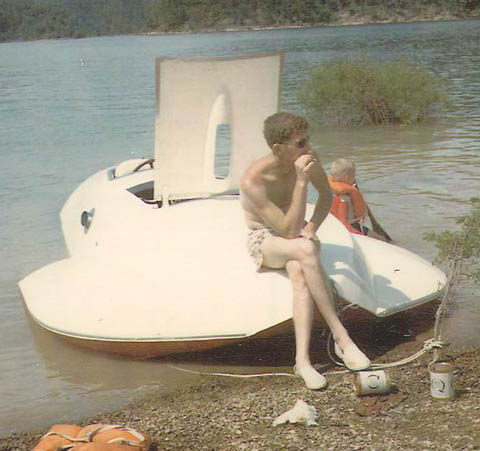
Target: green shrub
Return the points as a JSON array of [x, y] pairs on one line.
[[366, 92], [461, 248]]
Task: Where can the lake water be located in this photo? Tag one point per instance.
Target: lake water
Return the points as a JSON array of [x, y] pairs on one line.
[[71, 107]]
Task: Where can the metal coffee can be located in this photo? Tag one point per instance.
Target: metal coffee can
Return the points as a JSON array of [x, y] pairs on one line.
[[441, 381], [371, 382]]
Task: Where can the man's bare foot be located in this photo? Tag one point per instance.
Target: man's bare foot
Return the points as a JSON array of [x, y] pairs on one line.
[[353, 358], [312, 378]]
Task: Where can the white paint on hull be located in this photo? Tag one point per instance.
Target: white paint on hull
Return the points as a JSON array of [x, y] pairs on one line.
[[183, 273]]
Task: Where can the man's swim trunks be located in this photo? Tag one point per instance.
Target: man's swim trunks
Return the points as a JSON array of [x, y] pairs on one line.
[[255, 239]]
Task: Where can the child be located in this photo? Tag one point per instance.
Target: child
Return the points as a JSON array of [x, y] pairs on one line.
[[348, 204]]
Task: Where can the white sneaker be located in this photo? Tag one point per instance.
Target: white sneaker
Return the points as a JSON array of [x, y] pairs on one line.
[[353, 358], [312, 378]]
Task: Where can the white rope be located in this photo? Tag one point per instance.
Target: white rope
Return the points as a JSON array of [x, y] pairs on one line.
[[203, 373], [454, 271], [428, 345]]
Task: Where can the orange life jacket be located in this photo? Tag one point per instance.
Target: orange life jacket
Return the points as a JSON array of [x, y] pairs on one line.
[[95, 437], [358, 203]]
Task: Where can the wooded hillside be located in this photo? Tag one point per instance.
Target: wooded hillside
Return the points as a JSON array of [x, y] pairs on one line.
[[40, 19]]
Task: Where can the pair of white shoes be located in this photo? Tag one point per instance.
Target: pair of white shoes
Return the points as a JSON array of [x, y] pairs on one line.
[[353, 359]]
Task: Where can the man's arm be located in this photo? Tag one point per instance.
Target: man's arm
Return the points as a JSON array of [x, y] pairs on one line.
[[287, 224], [324, 201]]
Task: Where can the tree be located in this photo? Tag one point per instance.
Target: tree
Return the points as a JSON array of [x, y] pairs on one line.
[[166, 15]]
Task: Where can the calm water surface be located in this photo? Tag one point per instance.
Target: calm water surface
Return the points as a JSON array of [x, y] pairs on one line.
[[69, 108]]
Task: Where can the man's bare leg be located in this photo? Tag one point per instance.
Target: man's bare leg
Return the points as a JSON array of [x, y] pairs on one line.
[[277, 252], [302, 319]]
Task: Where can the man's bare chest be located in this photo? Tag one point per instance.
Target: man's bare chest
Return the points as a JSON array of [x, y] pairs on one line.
[[280, 190]]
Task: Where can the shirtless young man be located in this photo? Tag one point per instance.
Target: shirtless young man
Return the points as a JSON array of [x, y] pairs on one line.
[[273, 192]]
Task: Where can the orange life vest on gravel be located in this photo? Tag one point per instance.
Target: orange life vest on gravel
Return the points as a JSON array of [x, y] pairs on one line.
[[95, 437]]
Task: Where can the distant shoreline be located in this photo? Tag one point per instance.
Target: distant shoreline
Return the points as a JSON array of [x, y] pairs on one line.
[[344, 21]]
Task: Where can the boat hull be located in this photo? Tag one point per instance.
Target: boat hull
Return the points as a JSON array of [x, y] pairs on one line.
[[147, 281]]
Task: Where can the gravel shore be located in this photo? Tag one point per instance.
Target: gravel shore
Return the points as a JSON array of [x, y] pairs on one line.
[[223, 413]]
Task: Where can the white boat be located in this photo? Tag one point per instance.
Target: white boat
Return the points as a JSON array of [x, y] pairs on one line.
[[158, 261]]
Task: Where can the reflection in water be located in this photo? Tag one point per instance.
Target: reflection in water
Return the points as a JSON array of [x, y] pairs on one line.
[[80, 383], [95, 370]]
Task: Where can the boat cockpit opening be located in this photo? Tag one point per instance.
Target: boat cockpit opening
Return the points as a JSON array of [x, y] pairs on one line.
[[144, 191]]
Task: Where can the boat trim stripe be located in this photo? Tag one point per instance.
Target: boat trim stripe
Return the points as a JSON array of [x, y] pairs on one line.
[[139, 340], [420, 301]]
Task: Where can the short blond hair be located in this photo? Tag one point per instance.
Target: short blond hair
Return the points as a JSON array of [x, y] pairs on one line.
[[342, 168], [280, 127]]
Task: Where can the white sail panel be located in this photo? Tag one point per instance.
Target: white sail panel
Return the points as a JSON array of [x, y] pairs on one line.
[[196, 96]]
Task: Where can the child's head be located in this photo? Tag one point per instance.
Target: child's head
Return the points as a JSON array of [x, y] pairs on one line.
[[281, 127], [343, 170]]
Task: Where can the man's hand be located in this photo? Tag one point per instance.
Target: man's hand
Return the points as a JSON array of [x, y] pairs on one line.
[[303, 167], [308, 232]]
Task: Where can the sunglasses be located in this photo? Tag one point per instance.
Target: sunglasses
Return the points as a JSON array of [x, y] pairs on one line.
[[301, 143]]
